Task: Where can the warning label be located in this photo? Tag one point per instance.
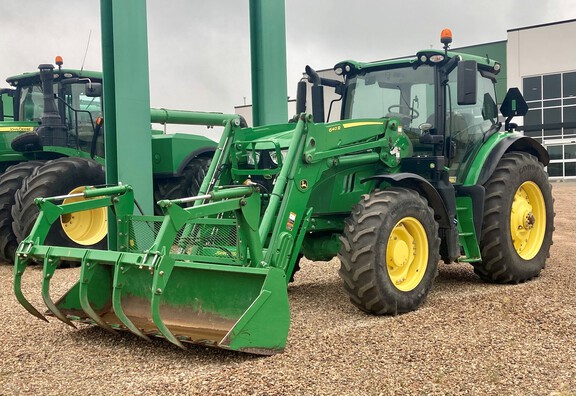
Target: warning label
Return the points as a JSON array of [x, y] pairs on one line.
[[291, 221]]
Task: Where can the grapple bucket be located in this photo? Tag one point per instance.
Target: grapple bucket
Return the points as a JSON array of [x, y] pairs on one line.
[[183, 276], [243, 309]]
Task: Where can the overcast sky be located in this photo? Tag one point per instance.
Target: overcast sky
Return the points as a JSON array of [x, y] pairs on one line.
[[199, 51]]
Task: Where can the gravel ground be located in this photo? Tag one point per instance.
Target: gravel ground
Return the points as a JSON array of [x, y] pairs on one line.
[[469, 338]]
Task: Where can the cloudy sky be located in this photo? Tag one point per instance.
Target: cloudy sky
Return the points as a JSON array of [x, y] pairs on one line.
[[199, 51]]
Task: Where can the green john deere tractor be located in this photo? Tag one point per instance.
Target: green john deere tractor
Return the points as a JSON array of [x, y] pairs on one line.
[[418, 169], [52, 142]]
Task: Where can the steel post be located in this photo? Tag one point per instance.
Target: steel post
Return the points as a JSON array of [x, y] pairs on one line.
[[126, 99], [268, 53]]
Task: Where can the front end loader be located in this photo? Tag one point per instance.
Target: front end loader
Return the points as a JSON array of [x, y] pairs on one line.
[[418, 169]]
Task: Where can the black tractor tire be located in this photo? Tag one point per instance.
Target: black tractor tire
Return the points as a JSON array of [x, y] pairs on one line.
[[387, 230], [56, 177], [519, 193], [186, 185], [10, 183]]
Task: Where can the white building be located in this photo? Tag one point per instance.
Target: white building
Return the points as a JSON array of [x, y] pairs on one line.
[[543, 66]]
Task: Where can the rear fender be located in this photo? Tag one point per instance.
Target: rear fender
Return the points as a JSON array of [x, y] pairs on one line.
[[512, 143], [201, 152], [207, 152], [420, 185]]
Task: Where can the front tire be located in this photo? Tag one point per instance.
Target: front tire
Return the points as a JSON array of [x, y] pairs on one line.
[[186, 185], [390, 252], [518, 221], [10, 183], [60, 177]]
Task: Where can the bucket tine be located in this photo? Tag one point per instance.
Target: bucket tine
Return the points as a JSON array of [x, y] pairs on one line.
[[155, 305], [50, 265], [86, 274], [20, 265], [161, 276], [119, 280]]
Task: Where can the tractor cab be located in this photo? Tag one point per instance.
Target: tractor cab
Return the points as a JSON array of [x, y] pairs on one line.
[[444, 102], [73, 101]]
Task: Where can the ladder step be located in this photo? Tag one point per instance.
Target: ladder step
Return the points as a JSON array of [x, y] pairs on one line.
[[469, 260]]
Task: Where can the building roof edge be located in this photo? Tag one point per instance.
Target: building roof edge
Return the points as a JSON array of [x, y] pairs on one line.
[[541, 25]]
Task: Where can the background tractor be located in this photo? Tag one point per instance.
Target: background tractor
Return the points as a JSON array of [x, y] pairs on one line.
[[52, 141], [418, 169]]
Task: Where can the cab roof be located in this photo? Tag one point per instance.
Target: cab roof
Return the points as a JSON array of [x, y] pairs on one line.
[[34, 77], [355, 67]]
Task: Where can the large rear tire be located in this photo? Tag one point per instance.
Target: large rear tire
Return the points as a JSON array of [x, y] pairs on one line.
[[186, 185], [390, 252], [10, 183], [518, 221], [59, 177]]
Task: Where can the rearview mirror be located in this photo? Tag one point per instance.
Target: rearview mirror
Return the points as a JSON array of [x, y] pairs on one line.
[[93, 90], [467, 82]]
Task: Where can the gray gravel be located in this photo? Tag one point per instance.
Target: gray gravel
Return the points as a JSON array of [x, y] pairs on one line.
[[469, 338]]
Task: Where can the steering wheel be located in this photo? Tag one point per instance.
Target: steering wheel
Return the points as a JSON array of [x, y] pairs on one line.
[[414, 112]]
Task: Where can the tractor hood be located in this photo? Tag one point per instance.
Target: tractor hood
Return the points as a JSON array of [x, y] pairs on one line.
[[279, 133]]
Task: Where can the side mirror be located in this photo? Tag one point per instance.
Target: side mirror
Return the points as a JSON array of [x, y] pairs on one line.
[[93, 90], [467, 82]]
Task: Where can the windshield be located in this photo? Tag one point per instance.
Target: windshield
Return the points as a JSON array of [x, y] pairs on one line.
[[31, 103], [80, 111], [405, 93]]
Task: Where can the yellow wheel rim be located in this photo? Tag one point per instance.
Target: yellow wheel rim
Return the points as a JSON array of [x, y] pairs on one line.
[[87, 227], [407, 254], [528, 220]]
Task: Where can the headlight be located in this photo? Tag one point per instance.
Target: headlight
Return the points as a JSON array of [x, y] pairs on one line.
[[252, 157], [274, 156]]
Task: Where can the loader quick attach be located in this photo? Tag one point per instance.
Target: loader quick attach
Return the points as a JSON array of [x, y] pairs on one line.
[[415, 171]]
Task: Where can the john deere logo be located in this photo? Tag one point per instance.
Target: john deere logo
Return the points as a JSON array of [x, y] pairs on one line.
[[304, 184], [16, 129]]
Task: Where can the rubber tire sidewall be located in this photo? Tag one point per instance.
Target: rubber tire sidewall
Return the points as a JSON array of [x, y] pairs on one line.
[[56, 177], [10, 182], [500, 261], [186, 185], [363, 252]]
